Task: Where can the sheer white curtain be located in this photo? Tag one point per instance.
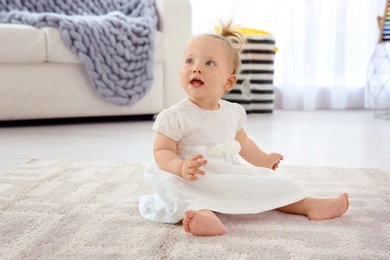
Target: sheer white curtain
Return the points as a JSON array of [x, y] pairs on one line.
[[324, 45]]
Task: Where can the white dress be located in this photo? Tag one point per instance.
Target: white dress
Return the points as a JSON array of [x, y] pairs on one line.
[[229, 186]]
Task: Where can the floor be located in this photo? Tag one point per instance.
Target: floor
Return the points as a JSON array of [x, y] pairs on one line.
[[315, 138]]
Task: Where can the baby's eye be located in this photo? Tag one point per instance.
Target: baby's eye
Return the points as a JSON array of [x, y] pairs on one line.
[[210, 63], [190, 61]]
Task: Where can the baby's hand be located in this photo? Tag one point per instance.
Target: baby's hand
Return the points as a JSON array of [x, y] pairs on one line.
[[191, 167], [275, 159]]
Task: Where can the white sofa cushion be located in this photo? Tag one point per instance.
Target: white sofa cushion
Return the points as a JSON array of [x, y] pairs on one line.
[[22, 44]]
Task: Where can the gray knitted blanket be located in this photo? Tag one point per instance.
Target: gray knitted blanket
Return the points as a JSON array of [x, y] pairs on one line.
[[112, 38]]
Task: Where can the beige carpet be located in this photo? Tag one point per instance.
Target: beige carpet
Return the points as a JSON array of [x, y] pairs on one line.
[[89, 210]]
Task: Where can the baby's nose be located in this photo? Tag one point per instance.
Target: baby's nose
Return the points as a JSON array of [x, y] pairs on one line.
[[196, 70]]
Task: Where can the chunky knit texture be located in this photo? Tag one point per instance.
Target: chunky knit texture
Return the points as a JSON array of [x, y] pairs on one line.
[[112, 38]]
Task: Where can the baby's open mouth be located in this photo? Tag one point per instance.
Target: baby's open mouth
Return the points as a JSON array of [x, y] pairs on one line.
[[196, 82]]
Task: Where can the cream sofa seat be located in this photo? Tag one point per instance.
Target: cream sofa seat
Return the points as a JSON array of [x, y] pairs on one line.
[[41, 78]]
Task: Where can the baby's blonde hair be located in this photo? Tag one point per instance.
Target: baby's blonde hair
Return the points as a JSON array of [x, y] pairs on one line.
[[232, 41]]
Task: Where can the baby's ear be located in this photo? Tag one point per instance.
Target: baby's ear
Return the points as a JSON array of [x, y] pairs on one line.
[[231, 82]]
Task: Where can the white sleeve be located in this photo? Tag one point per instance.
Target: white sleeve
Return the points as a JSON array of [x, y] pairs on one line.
[[167, 123]]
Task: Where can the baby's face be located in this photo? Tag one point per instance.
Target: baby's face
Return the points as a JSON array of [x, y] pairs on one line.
[[206, 72]]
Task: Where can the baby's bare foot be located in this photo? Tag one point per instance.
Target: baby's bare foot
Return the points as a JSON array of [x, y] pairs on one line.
[[202, 223], [323, 209]]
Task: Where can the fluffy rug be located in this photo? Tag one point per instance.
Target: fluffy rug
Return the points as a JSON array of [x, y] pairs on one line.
[[89, 210]]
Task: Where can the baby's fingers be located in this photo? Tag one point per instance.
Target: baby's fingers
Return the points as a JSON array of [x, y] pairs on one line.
[[191, 177], [196, 157], [194, 167], [200, 172]]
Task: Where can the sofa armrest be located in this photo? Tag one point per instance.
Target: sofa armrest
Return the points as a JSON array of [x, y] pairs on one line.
[[175, 23]]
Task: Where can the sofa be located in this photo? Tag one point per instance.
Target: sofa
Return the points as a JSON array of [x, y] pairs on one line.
[[41, 78]]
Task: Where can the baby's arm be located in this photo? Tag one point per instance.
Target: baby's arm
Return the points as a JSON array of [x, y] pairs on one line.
[[254, 155], [167, 159]]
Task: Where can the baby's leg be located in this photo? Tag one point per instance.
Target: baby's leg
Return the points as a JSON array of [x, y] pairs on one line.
[[319, 209], [202, 223]]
